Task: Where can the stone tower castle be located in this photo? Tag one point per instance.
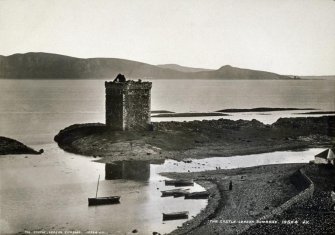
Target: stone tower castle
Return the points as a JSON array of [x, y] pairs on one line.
[[128, 104]]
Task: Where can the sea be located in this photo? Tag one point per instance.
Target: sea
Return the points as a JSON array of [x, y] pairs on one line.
[[48, 193]]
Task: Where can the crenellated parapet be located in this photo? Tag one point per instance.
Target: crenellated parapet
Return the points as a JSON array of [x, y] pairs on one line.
[[130, 84]]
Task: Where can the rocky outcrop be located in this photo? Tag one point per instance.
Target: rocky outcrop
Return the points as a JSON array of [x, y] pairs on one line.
[[309, 125], [209, 124], [10, 146], [195, 139]]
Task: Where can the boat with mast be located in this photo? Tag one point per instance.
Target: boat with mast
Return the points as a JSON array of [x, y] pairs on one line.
[[95, 201]]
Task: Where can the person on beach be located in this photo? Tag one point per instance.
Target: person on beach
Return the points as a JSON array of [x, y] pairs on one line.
[[230, 185]]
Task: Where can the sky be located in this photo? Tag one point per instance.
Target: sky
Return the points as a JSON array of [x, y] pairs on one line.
[[283, 36]]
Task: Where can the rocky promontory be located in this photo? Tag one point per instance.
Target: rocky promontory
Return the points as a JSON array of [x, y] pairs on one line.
[[11, 146], [198, 139]]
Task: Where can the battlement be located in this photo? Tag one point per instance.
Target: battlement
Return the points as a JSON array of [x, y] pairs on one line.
[[130, 84], [128, 104]]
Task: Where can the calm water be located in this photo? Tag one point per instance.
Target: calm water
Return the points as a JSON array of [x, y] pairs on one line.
[[34, 111], [49, 192]]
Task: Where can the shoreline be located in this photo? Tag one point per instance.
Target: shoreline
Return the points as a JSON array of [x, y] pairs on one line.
[[236, 205], [261, 109], [190, 114], [236, 211]]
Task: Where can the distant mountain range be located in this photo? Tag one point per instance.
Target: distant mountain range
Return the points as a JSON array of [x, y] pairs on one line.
[[180, 68], [53, 66]]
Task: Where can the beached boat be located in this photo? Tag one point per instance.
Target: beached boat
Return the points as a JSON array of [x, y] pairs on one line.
[[175, 192], [197, 195], [95, 201], [175, 215], [179, 183]]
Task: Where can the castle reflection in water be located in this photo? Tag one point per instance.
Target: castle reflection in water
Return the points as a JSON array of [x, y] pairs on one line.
[[131, 170]]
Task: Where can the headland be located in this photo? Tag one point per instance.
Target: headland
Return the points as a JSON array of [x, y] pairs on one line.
[[11, 146]]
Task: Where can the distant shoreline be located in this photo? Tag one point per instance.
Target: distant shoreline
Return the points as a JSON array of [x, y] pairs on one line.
[[282, 184], [321, 112], [262, 109], [171, 114]]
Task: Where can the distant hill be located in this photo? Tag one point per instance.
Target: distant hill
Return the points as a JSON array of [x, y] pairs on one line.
[[45, 65], [229, 72], [38, 65], [182, 68]]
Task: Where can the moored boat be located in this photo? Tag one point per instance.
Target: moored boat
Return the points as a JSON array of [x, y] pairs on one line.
[[95, 201], [103, 200], [174, 192], [175, 215], [197, 195]]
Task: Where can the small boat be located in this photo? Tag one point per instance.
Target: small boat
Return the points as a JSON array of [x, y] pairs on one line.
[[175, 215], [103, 200], [197, 195], [174, 192], [95, 201], [179, 183]]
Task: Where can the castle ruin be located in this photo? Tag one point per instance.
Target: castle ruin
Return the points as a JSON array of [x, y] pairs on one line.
[[128, 104]]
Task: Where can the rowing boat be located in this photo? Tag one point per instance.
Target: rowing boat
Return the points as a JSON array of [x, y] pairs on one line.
[[95, 201], [175, 215], [103, 200]]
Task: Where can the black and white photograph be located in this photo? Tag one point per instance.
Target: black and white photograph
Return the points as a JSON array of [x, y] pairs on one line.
[[175, 117]]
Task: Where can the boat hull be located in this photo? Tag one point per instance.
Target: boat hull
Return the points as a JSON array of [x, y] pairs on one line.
[[175, 215], [103, 200], [174, 193]]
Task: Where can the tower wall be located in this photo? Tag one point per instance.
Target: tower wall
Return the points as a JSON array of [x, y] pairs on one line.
[[128, 105]]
